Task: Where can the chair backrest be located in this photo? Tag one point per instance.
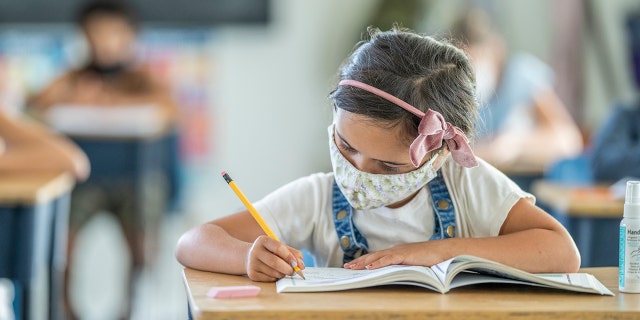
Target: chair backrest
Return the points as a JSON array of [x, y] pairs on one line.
[[575, 171]]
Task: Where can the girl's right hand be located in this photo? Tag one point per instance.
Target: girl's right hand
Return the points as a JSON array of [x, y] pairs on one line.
[[269, 260]]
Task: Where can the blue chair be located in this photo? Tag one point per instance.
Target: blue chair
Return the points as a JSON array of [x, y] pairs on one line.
[[574, 171]]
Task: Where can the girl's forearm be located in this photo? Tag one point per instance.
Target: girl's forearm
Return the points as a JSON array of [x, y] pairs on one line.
[[208, 247], [534, 250]]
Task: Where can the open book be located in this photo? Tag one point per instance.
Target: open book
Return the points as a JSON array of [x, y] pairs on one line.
[[457, 272]]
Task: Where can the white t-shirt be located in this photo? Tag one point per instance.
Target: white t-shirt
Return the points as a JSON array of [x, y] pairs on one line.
[[301, 212]]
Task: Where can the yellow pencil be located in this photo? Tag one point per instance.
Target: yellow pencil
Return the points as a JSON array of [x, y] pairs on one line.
[[257, 216]]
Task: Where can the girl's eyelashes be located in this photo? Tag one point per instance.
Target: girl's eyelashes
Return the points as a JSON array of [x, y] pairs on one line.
[[346, 147], [385, 167], [388, 168]]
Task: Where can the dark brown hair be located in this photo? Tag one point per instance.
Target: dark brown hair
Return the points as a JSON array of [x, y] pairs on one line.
[[115, 8], [425, 72]]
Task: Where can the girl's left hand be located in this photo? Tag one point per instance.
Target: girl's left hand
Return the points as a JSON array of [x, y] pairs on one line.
[[419, 253]]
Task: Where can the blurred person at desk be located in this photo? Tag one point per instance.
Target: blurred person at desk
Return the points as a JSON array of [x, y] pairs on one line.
[[112, 79], [112, 96], [616, 150], [523, 126], [616, 144]]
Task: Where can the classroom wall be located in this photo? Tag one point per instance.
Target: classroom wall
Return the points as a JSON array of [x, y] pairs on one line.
[[610, 80], [528, 25], [271, 110], [606, 78]]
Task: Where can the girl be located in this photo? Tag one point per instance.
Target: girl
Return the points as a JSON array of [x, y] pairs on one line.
[[405, 187]]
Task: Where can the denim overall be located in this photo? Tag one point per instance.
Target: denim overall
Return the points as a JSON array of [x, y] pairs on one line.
[[354, 244]]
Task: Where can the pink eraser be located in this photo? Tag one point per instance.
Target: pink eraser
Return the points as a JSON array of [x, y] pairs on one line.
[[233, 292]]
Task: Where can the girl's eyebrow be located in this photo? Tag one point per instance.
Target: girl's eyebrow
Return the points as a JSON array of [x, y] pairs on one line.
[[343, 139], [383, 161]]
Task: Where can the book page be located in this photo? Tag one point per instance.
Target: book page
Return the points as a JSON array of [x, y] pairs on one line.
[[321, 276], [441, 269], [466, 270], [578, 282], [334, 279], [576, 279]]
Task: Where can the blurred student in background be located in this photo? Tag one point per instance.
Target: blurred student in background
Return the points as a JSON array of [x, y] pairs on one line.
[[616, 145], [616, 148], [522, 122], [113, 78]]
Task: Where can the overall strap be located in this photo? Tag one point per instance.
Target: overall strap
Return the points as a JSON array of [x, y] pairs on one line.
[[352, 242], [445, 215]]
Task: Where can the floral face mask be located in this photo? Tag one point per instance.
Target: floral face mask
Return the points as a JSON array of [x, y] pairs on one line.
[[367, 190]]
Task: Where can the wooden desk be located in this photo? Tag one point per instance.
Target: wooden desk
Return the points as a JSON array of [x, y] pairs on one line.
[[19, 188], [34, 215], [406, 302], [522, 169], [590, 213], [579, 201]]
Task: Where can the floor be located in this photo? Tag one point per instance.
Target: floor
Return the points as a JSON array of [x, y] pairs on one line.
[[98, 280]]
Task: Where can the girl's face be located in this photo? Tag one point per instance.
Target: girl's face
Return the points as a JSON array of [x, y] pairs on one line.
[[374, 149]]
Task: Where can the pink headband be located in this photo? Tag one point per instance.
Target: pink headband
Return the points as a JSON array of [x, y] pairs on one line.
[[431, 131]]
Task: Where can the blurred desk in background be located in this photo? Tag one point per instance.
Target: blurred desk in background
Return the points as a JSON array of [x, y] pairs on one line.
[[131, 154], [34, 213], [590, 213], [135, 158], [124, 142], [579, 201]]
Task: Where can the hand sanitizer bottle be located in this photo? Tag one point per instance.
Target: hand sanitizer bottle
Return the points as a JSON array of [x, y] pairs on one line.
[[629, 255]]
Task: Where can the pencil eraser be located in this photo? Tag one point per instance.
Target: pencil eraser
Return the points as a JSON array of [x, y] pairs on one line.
[[233, 292]]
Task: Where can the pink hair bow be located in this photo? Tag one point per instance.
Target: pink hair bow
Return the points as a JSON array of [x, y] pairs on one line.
[[431, 130]]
